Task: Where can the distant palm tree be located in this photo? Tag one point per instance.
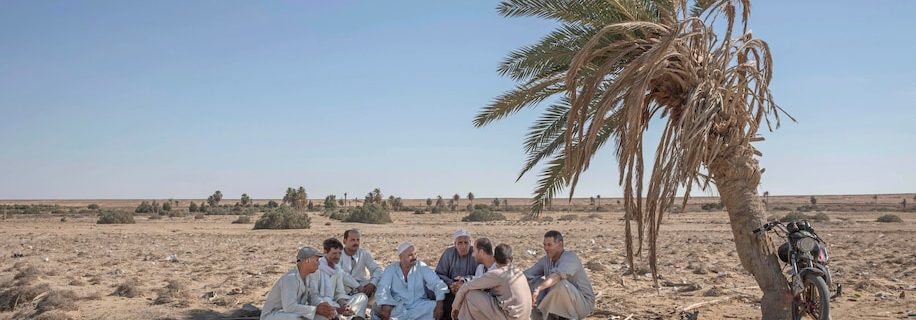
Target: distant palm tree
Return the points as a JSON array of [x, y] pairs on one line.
[[246, 200], [377, 195], [455, 198], [614, 66], [766, 200], [471, 198]]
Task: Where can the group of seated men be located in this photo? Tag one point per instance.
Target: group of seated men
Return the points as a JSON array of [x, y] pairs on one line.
[[476, 281]]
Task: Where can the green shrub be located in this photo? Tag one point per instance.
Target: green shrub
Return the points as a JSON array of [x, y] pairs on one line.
[[272, 204], [115, 217], [889, 218], [339, 214], [177, 213], [483, 215], [192, 207], [242, 220], [93, 207], [481, 206], [419, 211], [435, 210], [370, 213], [166, 206], [569, 217], [283, 217], [199, 216]]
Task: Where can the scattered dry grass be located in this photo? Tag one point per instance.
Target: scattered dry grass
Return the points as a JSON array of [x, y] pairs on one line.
[[127, 289], [174, 292]]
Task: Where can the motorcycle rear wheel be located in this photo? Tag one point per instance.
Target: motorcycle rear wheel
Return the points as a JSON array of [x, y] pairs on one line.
[[813, 302]]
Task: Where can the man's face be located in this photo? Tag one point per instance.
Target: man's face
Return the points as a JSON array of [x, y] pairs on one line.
[[409, 256], [552, 247], [309, 265], [463, 244], [333, 256], [352, 242], [478, 254]]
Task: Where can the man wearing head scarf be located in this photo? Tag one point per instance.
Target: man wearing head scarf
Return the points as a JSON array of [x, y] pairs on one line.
[[401, 292], [456, 265], [296, 294], [502, 293]]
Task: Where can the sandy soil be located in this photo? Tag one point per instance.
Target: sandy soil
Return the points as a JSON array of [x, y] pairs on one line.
[[215, 267]]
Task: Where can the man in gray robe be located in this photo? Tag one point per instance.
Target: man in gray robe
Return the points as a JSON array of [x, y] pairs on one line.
[[456, 265], [560, 286], [296, 295]]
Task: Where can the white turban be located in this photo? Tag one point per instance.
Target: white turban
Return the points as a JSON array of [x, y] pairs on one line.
[[461, 233], [404, 246]]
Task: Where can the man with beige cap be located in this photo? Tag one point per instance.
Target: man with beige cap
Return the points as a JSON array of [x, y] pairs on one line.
[[401, 292], [296, 294]]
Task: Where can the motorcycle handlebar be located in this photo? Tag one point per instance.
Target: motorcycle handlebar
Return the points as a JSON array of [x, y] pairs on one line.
[[766, 226]]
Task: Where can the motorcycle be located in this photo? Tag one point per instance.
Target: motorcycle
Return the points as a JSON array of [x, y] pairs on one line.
[[805, 256]]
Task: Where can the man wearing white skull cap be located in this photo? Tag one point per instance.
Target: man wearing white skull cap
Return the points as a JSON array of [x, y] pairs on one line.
[[401, 292], [456, 266]]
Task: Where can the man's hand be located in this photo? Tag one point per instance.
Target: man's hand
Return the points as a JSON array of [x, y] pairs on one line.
[[437, 313], [385, 312], [344, 310], [454, 314], [325, 310], [456, 285], [368, 290], [534, 296]]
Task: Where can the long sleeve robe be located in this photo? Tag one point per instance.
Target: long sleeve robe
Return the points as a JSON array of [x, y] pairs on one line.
[[409, 297]]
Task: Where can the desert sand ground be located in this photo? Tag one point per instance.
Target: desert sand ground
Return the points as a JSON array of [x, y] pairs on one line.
[[186, 268]]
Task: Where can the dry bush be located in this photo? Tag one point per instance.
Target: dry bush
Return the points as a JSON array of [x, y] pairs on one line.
[[57, 300], [14, 295], [594, 216], [793, 216], [820, 217], [569, 217], [155, 216], [26, 275], [174, 292], [483, 214], [198, 216], [52, 315], [127, 289], [889, 218], [242, 220]]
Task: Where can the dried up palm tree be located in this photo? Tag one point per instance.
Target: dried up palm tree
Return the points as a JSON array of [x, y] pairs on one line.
[[614, 66]]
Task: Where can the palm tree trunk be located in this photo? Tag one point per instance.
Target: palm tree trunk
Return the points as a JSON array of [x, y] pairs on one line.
[[737, 175]]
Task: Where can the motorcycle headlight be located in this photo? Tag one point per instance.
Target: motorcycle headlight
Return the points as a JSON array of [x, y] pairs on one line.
[[805, 244]]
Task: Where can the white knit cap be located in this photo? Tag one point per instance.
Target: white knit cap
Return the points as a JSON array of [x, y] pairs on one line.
[[404, 246], [461, 233]]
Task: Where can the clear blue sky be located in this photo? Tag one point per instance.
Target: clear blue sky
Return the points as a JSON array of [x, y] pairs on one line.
[[159, 99]]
